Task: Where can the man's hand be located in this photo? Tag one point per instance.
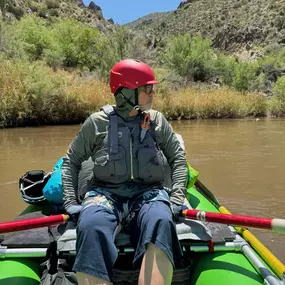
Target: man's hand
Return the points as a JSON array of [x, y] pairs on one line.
[[73, 211], [177, 210]]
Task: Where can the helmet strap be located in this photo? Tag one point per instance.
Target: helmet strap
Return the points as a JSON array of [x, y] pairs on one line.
[[136, 105]]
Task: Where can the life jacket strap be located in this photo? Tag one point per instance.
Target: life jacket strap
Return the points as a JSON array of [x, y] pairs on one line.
[[113, 128], [113, 134]]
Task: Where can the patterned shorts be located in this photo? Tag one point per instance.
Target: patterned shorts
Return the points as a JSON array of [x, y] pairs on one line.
[[124, 209]]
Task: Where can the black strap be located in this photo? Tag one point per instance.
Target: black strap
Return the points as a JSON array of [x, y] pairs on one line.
[[113, 128], [137, 100], [52, 257], [136, 105], [113, 134]]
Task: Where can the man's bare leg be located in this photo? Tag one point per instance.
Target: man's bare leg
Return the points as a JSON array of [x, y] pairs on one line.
[[156, 268], [86, 279]]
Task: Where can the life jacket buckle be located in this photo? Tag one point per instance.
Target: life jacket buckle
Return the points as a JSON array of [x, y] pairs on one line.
[[145, 126]]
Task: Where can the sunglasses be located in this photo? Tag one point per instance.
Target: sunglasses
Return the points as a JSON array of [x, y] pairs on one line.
[[148, 88]]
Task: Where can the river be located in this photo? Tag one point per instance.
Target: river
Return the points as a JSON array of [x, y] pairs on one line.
[[241, 161]]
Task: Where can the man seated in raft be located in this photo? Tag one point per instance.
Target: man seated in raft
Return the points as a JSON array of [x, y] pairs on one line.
[[128, 145]]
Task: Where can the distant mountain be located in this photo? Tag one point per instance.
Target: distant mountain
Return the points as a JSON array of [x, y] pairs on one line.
[[49, 9], [230, 24], [146, 20]]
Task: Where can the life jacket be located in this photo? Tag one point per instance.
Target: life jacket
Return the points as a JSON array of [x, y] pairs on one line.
[[124, 156]]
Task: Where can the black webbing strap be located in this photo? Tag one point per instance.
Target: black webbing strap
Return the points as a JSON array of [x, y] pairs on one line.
[[113, 134]]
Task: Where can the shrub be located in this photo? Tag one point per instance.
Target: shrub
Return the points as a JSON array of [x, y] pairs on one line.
[[170, 81], [75, 44], [52, 4], [120, 44], [43, 11], [273, 64], [17, 11], [206, 103], [244, 74], [54, 13], [276, 107], [191, 57], [28, 37], [239, 75], [226, 69], [259, 84], [31, 94], [137, 48], [279, 89], [14, 105]]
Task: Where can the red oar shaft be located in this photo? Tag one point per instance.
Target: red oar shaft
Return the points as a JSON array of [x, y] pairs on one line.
[[277, 225], [32, 223]]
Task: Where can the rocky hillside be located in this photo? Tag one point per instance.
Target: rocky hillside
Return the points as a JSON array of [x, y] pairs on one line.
[[147, 20], [230, 24], [50, 9]]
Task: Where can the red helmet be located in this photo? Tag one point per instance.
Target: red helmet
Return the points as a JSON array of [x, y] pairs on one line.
[[131, 74]]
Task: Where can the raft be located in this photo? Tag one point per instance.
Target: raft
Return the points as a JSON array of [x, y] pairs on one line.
[[236, 258]]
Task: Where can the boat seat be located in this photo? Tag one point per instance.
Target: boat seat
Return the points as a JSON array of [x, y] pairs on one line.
[[187, 230]]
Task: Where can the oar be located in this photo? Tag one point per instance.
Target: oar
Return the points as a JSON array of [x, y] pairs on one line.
[[32, 223], [276, 225], [274, 263]]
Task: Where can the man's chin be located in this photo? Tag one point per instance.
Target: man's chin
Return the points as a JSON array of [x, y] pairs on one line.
[[146, 107]]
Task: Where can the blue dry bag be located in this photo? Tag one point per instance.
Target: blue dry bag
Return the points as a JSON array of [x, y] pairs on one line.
[[53, 189]]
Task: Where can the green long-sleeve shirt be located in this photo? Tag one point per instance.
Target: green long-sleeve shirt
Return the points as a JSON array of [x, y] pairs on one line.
[[89, 139]]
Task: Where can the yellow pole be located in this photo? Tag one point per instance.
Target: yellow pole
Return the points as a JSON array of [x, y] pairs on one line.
[[275, 264]]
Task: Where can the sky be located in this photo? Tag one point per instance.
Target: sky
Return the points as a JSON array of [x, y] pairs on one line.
[[125, 11]]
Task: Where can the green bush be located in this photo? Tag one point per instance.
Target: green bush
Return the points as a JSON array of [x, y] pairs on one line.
[[273, 64], [64, 43], [120, 44], [279, 89], [14, 106], [28, 37], [121, 38], [276, 107], [226, 69], [75, 45], [244, 74], [31, 94], [43, 12], [54, 12], [17, 11], [239, 75], [34, 6], [190, 57], [52, 4], [259, 84]]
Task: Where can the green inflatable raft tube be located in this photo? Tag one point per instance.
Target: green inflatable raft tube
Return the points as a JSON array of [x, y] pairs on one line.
[[19, 272], [208, 268], [220, 268]]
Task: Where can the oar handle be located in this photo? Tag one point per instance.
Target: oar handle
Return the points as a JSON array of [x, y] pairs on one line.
[[31, 223], [276, 225]]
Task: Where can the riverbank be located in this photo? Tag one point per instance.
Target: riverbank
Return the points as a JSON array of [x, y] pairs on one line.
[[36, 95]]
